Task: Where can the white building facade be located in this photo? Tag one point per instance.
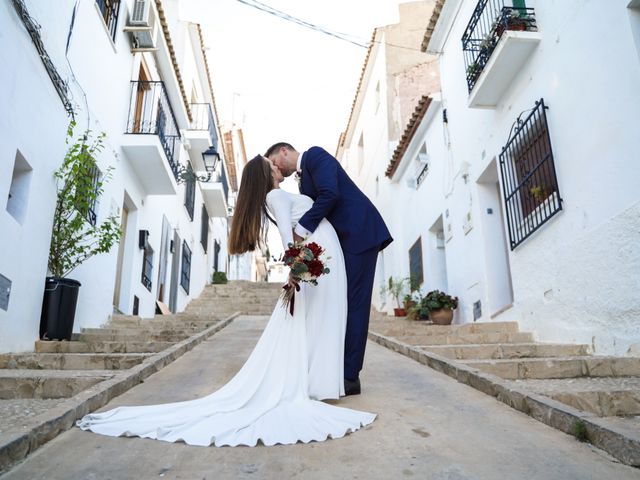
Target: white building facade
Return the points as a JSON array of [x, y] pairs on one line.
[[135, 71], [528, 208]]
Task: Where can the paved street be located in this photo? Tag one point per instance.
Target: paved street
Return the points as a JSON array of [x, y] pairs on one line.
[[429, 426]]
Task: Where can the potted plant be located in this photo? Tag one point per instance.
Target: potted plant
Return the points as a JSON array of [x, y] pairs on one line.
[[473, 71], [439, 306], [75, 235], [219, 278], [396, 288]]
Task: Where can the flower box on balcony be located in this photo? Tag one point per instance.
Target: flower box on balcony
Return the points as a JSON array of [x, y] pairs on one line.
[[512, 51]]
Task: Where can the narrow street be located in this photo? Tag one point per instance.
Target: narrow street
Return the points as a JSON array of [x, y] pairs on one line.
[[429, 426]]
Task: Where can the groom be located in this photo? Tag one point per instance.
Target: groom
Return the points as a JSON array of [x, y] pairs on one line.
[[361, 231]]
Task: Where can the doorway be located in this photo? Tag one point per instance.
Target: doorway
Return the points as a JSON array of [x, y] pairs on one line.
[[121, 249], [496, 253], [437, 278], [175, 270]]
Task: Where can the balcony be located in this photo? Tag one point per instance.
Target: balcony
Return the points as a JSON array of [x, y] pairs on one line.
[[215, 193], [201, 134], [152, 143], [496, 44]]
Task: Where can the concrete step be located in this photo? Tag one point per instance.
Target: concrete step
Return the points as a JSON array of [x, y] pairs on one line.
[[71, 361], [603, 396], [566, 367], [405, 328], [180, 320], [101, 347], [508, 351], [467, 339], [140, 331], [48, 383], [106, 337]]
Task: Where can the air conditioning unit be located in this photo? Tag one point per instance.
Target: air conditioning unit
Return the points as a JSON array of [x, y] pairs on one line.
[[142, 26], [423, 158], [140, 14]]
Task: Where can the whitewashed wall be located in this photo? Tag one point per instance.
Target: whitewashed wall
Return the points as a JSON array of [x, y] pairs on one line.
[[35, 123], [577, 278]]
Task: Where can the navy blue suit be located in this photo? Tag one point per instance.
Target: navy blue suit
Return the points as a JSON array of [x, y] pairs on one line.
[[362, 234]]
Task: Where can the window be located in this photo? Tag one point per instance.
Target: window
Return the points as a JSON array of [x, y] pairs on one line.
[[190, 191], [415, 262], [360, 152], [204, 229], [18, 198], [185, 272], [109, 10], [147, 267], [422, 161], [530, 185]]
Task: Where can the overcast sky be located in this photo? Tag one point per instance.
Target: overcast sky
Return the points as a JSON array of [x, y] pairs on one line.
[[279, 81]]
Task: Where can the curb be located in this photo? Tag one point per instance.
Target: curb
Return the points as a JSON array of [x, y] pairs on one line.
[[47, 426], [599, 432]]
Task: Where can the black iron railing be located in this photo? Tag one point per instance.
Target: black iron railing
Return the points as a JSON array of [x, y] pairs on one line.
[[150, 113], [202, 115], [529, 181], [423, 174], [109, 10], [490, 19]]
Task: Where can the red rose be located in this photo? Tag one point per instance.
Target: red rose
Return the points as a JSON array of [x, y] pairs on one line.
[[315, 249], [315, 267]]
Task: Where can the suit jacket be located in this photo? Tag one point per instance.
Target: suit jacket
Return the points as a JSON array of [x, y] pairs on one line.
[[356, 220]]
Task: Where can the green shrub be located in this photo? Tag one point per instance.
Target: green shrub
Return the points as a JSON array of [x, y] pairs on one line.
[[219, 277]]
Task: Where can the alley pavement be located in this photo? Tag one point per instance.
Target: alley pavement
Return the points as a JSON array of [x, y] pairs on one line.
[[429, 426]]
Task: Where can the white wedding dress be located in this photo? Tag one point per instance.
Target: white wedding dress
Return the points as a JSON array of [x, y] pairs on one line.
[[274, 398]]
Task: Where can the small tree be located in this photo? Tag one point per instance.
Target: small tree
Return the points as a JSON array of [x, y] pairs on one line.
[[73, 238]]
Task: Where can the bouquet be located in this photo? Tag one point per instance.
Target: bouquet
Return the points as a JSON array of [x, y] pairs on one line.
[[307, 264]]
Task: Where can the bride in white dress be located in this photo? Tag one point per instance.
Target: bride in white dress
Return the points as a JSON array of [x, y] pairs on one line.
[[298, 360]]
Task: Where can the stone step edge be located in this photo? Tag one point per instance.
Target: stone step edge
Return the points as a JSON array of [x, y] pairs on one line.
[[599, 431], [19, 443]]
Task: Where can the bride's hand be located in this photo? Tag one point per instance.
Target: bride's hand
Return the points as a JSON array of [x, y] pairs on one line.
[[292, 282]]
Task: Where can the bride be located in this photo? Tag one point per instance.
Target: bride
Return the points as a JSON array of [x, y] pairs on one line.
[[298, 360]]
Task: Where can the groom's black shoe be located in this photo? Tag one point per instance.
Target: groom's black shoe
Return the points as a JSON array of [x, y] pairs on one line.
[[351, 387]]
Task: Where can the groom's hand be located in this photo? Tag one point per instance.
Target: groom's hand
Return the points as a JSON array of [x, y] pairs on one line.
[[297, 238]]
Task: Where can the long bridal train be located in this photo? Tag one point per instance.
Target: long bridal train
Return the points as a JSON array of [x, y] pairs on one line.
[[275, 397]]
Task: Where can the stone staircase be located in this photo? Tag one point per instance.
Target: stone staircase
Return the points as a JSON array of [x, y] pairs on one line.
[[596, 398], [31, 383], [569, 373]]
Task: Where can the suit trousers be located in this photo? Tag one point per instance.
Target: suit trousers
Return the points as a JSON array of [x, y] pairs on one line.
[[361, 269]]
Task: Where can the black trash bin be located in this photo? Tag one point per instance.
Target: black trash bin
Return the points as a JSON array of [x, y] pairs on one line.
[[58, 308]]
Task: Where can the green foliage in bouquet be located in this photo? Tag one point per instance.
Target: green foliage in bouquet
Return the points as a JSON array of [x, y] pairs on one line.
[[74, 239]]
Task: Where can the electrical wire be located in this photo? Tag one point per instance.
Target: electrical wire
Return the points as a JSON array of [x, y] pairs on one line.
[[312, 26]]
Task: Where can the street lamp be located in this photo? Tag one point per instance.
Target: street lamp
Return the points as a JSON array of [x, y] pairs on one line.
[[211, 157]]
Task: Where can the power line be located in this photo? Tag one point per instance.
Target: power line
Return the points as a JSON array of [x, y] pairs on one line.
[[312, 26]]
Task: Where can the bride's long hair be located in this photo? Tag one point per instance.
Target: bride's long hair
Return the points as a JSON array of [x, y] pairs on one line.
[[248, 228]]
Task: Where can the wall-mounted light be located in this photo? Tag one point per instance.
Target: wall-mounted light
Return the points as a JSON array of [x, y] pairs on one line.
[[211, 157]]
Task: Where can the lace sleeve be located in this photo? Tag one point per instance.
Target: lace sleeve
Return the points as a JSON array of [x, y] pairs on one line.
[[279, 204]]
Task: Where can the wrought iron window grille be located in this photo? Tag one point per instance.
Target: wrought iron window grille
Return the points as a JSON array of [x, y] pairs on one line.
[[530, 185], [147, 267], [190, 194], [185, 271], [488, 22], [204, 228]]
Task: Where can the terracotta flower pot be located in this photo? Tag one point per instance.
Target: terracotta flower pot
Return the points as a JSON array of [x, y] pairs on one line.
[[399, 312], [442, 316]]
